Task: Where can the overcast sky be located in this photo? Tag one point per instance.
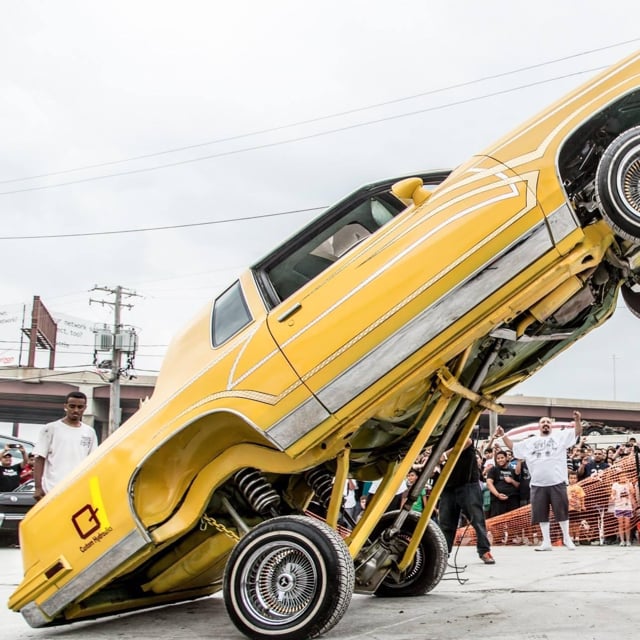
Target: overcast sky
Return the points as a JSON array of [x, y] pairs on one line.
[[134, 115]]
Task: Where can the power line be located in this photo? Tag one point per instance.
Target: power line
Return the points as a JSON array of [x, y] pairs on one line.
[[208, 272], [310, 136], [70, 352], [191, 274], [78, 345], [58, 373], [83, 367], [163, 228], [337, 114]]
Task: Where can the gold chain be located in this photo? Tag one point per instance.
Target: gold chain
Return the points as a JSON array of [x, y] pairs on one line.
[[208, 521]]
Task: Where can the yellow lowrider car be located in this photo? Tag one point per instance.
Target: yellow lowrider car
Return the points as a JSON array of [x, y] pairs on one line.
[[386, 325]]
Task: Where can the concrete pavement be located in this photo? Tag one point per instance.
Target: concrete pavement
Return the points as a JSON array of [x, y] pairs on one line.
[[591, 593]]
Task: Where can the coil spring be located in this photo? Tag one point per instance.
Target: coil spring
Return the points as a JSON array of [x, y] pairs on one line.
[[322, 484], [258, 492]]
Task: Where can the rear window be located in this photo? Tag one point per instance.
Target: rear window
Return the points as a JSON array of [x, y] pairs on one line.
[[230, 314]]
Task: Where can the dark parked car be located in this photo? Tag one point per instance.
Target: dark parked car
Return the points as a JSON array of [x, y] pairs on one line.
[[589, 428], [593, 428], [13, 507]]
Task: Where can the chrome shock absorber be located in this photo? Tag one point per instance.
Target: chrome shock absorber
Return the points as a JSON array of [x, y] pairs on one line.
[[322, 484], [258, 491]]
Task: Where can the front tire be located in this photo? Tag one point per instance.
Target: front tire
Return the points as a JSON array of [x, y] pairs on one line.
[[289, 578], [428, 566], [618, 184]]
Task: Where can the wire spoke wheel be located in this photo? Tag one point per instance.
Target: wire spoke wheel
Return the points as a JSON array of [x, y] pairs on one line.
[[631, 184], [289, 578], [428, 565], [618, 184], [279, 584]]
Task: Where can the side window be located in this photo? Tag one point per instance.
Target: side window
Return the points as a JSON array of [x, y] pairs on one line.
[[332, 235], [330, 240], [230, 314]]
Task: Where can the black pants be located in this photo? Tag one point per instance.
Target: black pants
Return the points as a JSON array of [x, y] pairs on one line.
[[468, 500], [500, 507]]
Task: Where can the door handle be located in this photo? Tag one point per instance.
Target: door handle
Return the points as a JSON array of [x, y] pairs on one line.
[[289, 312]]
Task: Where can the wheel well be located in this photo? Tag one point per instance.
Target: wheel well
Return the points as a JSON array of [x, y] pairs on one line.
[[166, 473]]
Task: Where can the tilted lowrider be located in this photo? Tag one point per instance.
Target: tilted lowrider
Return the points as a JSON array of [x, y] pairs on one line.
[[386, 325]]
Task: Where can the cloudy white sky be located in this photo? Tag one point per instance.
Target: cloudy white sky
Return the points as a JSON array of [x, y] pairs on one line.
[[119, 116]]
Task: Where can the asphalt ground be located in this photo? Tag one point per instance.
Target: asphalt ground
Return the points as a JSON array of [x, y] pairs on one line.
[[560, 595]]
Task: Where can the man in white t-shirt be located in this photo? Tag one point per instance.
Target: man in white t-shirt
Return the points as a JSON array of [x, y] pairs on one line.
[[62, 445], [546, 458], [350, 504]]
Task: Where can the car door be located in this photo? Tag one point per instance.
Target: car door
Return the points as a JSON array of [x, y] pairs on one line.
[[352, 331]]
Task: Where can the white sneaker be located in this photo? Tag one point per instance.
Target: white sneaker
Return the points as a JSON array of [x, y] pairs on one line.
[[570, 545], [544, 547]]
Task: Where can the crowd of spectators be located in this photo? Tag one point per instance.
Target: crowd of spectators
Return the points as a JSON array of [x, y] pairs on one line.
[[620, 497], [505, 486]]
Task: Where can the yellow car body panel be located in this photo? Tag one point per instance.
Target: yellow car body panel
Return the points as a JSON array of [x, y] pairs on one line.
[[360, 339]]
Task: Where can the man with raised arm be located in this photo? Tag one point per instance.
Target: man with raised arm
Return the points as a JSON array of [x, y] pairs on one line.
[[546, 457]]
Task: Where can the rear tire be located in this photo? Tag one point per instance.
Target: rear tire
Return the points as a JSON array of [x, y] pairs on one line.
[[289, 578], [631, 299], [429, 563], [618, 184]]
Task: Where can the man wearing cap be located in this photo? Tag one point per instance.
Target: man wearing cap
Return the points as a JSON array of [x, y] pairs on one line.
[[9, 472]]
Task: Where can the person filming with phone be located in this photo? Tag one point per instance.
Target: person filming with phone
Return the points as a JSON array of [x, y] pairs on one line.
[[9, 472]]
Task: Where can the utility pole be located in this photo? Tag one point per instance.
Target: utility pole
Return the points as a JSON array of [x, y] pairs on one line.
[[116, 350]]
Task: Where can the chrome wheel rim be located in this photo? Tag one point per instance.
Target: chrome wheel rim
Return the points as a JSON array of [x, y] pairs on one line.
[[631, 184], [413, 570], [625, 182], [279, 583]]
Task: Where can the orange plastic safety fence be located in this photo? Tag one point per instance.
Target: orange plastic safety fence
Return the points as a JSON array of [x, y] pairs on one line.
[[596, 523]]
